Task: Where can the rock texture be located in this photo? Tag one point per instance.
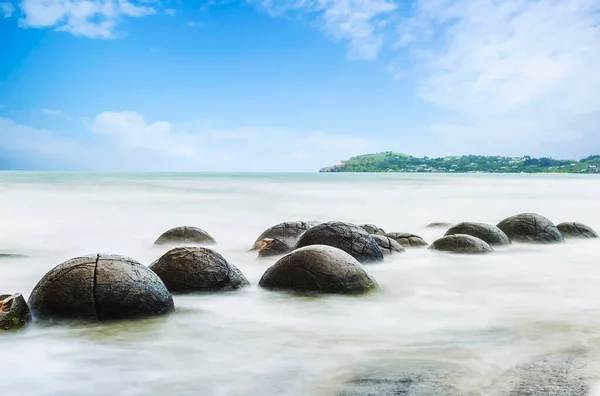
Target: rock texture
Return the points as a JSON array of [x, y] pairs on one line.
[[407, 240], [100, 287], [530, 227], [14, 312], [287, 232], [319, 269], [372, 229], [489, 233], [388, 245], [197, 269], [185, 235], [460, 243], [271, 247], [576, 231], [347, 237]]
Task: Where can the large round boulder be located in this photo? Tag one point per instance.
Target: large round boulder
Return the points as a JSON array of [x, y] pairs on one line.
[[576, 231], [14, 312], [197, 269], [185, 235], [100, 287], [348, 237], [387, 244], [271, 247], [320, 269], [287, 232], [460, 243], [489, 233], [407, 239], [372, 229], [530, 227]]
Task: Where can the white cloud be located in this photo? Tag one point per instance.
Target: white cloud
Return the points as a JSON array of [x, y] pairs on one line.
[[6, 9], [170, 11], [53, 112], [89, 18]]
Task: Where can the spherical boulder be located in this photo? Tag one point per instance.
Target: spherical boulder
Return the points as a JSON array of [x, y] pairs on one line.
[[287, 232], [407, 240], [319, 269], [348, 237], [388, 245], [197, 269], [574, 230], [489, 233], [271, 247], [100, 287], [14, 312], [530, 227], [372, 229], [461, 243], [185, 235]]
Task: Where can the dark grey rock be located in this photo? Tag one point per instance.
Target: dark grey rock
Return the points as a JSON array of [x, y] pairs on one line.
[[318, 269], [185, 235], [489, 233], [460, 243], [197, 269], [100, 287], [271, 247], [407, 240], [576, 231], [372, 229], [287, 232], [440, 224], [530, 227], [388, 245], [14, 312], [345, 236], [11, 256]]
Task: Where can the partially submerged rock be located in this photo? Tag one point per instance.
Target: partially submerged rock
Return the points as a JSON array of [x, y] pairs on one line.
[[100, 287], [11, 256], [14, 312], [387, 244], [318, 269], [530, 227], [197, 269], [489, 233], [440, 224], [576, 230], [287, 232], [461, 243], [271, 247], [345, 236], [185, 235], [407, 239], [372, 229]]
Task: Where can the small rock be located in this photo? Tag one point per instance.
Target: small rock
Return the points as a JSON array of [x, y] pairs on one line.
[[197, 269], [320, 269], [530, 227], [372, 229], [576, 231], [440, 224], [388, 245], [14, 312], [461, 243], [491, 234], [185, 235], [407, 240], [271, 247]]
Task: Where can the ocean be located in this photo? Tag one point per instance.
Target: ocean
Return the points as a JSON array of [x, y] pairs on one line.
[[480, 315]]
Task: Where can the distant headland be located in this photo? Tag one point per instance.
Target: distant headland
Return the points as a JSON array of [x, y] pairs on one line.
[[396, 162]]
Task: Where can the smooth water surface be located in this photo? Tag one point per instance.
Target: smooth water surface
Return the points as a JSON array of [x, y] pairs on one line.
[[485, 313]]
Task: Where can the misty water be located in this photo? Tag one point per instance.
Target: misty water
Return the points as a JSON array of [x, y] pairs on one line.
[[485, 314]]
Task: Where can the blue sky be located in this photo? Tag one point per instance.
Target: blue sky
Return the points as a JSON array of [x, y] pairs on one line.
[[293, 85]]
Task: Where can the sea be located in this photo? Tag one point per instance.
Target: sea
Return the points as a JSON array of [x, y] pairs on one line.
[[479, 320]]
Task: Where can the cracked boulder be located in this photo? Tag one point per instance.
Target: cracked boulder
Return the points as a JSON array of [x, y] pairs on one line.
[[530, 227], [460, 243], [373, 229], [489, 233], [197, 269], [407, 240], [388, 245], [271, 247], [318, 269], [576, 230], [100, 287], [14, 312], [287, 232], [345, 236], [185, 235]]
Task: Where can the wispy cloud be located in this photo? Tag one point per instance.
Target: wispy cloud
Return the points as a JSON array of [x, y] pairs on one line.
[[6, 9], [53, 112], [170, 11]]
